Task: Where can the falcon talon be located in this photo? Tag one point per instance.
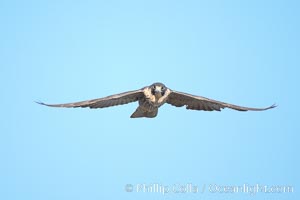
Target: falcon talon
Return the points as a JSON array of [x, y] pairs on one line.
[[150, 98]]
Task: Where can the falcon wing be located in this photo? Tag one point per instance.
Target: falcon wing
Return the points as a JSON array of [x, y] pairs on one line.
[[193, 102], [113, 100]]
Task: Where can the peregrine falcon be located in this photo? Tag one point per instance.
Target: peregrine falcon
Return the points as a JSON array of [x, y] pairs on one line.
[[150, 98]]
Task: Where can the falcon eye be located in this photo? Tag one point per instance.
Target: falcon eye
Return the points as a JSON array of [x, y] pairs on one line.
[[153, 92], [162, 88]]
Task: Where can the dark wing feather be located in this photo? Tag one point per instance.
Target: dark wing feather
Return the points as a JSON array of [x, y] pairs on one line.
[[193, 102], [113, 100]]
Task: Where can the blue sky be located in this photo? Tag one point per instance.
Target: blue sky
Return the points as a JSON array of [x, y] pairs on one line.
[[242, 52]]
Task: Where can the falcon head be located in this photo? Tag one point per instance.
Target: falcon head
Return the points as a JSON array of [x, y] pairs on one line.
[[158, 89]]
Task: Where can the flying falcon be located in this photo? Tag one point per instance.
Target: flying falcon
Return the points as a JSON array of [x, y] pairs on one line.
[[150, 98]]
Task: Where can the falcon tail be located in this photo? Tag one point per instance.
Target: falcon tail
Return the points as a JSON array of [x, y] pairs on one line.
[[141, 113]]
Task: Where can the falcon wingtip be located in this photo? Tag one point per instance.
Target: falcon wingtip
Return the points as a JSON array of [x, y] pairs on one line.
[[41, 103], [273, 106]]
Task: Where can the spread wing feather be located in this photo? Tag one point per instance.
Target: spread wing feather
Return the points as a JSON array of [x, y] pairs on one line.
[[113, 100], [193, 102]]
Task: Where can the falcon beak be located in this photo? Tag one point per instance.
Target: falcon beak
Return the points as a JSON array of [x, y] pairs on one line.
[[158, 92]]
